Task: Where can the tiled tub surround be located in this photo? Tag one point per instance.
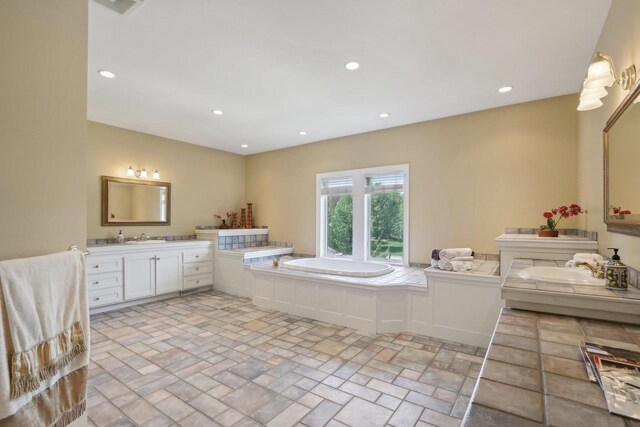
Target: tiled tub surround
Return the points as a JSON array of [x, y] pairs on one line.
[[233, 267], [407, 299], [463, 306], [561, 298], [561, 248], [211, 359], [533, 373]]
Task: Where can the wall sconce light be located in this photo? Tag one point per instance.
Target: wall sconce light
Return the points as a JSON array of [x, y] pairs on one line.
[[601, 74], [143, 174]]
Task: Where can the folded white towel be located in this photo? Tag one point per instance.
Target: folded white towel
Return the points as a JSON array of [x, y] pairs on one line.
[[455, 252], [445, 261], [458, 266], [434, 263], [588, 256]]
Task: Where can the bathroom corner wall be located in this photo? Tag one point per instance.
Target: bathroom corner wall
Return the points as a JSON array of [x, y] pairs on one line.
[[203, 181], [43, 82], [620, 39], [470, 175]]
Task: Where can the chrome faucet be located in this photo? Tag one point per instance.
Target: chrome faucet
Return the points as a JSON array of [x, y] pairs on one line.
[[597, 271], [143, 237]]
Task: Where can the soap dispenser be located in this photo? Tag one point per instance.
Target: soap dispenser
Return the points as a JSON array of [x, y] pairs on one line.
[[616, 274], [120, 237]]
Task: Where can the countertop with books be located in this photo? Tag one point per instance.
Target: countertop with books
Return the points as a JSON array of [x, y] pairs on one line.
[[534, 372]]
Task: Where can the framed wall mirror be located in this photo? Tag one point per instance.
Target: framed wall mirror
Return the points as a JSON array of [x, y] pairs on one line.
[[621, 164], [135, 202]]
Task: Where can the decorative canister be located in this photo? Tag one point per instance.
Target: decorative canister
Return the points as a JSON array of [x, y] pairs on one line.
[[616, 274]]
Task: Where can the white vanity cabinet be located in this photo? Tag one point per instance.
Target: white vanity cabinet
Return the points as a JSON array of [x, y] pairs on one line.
[[139, 275], [168, 272], [119, 274]]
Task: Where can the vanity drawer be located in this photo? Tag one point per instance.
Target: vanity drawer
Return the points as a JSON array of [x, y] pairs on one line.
[[105, 297], [104, 281], [196, 255], [198, 281], [103, 265], [198, 268]]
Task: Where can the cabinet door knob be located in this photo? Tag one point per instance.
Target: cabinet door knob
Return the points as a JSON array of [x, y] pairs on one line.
[[157, 258], [96, 266], [197, 268], [96, 283], [97, 299]]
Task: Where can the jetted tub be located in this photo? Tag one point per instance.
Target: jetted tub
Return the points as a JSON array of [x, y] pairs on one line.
[[339, 267]]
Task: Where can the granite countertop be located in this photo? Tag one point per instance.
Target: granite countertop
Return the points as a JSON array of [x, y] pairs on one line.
[[129, 245], [514, 282], [533, 373], [535, 237]]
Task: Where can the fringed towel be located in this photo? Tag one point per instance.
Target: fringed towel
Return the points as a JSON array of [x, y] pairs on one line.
[[44, 319], [29, 368]]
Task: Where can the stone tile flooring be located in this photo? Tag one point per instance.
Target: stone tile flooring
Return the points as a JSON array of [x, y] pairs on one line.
[[212, 359]]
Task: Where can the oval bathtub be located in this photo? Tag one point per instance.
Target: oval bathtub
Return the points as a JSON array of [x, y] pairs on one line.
[[340, 267]]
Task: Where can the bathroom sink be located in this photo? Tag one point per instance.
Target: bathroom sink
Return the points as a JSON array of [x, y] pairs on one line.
[[147, 242], [572, 276]]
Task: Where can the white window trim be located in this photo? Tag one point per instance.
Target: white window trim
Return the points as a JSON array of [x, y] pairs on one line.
[[360, 239]]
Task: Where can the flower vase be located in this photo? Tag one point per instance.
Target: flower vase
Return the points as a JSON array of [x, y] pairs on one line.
[[547, 233], [224, 225]]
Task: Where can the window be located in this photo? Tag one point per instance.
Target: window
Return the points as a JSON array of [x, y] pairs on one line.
[[362, 214]]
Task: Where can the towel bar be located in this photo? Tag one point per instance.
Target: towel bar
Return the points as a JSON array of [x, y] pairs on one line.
[[76, 248]]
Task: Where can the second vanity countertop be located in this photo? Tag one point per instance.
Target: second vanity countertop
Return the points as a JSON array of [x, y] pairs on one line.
[[562, 298], [534, 375]]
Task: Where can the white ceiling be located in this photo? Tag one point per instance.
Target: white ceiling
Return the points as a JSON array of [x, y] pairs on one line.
[[276, 67]]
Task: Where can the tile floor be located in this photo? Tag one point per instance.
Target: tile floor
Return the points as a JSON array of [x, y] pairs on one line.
[[212, 359]]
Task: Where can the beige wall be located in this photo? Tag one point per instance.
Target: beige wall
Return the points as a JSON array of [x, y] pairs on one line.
[[203, 181], [470, 176], [620, 38], [43, 81]]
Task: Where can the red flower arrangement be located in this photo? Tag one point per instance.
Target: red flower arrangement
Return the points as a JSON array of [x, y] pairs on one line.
[[562, 212], [617, 211]]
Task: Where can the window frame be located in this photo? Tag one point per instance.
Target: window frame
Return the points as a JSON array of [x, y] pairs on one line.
[[361, 212]]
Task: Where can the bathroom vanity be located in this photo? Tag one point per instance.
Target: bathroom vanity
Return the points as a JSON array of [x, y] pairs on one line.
[[563, 247], [124, 274]]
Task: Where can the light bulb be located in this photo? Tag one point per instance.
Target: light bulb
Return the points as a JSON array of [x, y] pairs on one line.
[[143, 173], [589, 104], [156, 174], [131, 172]]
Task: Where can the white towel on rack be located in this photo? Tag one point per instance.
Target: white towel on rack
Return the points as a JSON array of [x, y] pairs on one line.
[[44, 317], [451, 253]]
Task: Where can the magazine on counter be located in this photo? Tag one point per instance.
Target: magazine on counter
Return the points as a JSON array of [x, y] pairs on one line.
[[620, 381], [589, 350]]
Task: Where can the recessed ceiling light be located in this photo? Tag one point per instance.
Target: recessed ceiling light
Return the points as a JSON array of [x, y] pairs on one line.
[[217, 112], [302, 132], [351, 65], [106, 73], [244, 146], [505, 89], [384, 115]]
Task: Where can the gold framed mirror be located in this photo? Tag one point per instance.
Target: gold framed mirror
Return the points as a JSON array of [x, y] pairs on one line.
[[621, 156], [135, 202]]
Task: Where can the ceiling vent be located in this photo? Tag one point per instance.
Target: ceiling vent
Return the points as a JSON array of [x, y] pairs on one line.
[[123, 7]]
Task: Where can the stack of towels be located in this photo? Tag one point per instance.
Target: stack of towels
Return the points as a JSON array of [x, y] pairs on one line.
[[452, 259], [592, 259]]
